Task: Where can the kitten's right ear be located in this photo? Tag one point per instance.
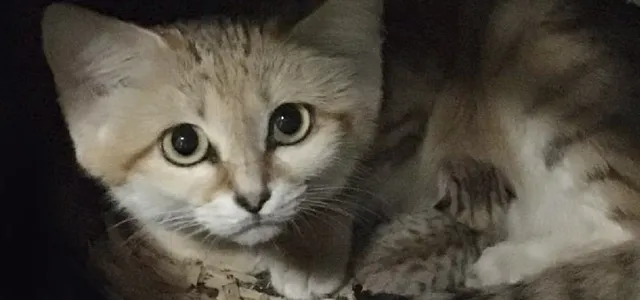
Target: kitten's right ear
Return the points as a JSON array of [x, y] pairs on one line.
[[350, 29], [84, 47], [346, 27]]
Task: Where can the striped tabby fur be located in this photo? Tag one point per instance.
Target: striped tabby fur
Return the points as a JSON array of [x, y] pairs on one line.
[[548, 91]]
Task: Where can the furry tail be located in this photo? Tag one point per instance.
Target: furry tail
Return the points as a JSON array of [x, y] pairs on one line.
[[610, 274]]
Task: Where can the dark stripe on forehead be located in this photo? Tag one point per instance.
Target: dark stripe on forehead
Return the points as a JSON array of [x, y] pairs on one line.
[[264, 95], [246, 33], [193, 50], [200, 108]]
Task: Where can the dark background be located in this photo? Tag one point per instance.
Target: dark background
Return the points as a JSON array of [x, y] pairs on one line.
[[46, 202]]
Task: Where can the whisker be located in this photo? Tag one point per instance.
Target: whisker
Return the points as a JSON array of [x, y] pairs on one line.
[[121, 223], [320, 217], [134, 236], [353, 207], [296, 227]]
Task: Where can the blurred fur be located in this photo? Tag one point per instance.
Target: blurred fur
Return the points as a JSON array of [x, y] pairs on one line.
[[433, 248], [547, 91]]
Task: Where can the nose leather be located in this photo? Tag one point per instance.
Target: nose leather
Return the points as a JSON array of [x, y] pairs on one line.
[[253, 204]]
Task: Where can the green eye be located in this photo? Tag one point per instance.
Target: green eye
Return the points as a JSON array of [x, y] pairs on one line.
[[185, 145], [290, 123]]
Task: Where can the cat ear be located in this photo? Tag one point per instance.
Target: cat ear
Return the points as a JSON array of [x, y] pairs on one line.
[[346, 27], [92, 56], [350, 29], [83, 47]]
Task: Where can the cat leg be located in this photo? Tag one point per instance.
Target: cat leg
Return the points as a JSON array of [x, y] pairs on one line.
[[512, 261], [508, 262], [319, 278], [313, 262]]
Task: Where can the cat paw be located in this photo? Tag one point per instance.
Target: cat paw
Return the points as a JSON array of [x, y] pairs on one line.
[[360, 294], [297, 284], [505, 263]]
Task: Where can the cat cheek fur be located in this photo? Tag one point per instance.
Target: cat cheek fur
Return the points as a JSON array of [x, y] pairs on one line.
[[177, 199], [313, 157]]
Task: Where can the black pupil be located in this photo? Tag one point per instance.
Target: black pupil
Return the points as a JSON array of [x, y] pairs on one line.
[[287, 119], [184, 139]]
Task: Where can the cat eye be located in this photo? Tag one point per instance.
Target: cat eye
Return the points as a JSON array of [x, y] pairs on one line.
[[185, 145], [289, 124]]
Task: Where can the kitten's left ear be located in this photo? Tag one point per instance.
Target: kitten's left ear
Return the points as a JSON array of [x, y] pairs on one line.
[[91, 56], [345, 27], [82, 46]]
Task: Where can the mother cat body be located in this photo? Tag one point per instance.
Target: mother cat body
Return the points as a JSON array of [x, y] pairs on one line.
[[549, 92]]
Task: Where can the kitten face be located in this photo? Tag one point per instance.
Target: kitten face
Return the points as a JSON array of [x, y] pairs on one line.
[[219, 129], [258, 143]]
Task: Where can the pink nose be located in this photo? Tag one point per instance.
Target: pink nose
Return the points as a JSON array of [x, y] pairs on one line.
[[253, 204]]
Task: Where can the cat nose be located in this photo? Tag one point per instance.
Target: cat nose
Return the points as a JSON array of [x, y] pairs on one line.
[[253, 204]]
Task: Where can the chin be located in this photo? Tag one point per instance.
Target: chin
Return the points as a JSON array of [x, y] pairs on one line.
[[256, 235]]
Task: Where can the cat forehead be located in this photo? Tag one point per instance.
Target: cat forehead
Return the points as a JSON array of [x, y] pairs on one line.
[[232, 72], [229, 53], [219, 42], [244, 63]]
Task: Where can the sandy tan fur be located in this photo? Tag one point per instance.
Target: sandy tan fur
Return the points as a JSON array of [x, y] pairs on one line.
[[122, 86]]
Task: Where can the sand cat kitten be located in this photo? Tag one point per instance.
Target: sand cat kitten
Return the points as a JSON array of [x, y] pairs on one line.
[[433, 248], [547, 91], [217, 132]]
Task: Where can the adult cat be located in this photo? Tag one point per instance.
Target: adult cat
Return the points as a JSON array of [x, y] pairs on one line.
[[548, 91]]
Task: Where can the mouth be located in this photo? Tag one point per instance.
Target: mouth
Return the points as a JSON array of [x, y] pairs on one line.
[[257, 232], [257, 223], [219, 222]]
